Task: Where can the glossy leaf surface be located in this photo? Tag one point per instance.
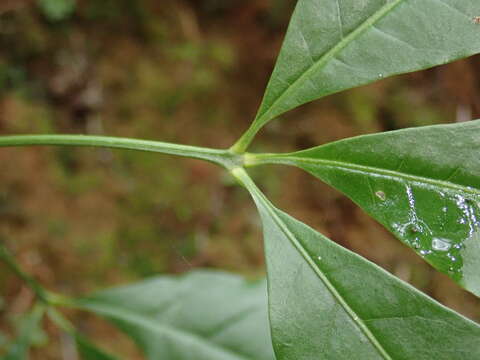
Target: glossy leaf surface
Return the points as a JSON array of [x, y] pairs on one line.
[[329, 303], [423, 184], [203, 315], [333, 45]]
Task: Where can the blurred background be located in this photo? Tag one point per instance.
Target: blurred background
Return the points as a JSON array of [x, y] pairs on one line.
[[190, 72]]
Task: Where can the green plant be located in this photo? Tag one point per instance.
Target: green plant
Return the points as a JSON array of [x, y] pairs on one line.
[[56, 10], [323, 300]]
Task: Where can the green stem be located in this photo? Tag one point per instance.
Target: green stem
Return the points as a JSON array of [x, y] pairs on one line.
[[61, 321], [246, 181], [8, 259], [68, 327], [251, 159], [245, 140], [224, 158]]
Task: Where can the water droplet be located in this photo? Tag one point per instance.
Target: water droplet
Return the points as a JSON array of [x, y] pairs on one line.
[[425, 252], [411, 199], [462, 221], [440, 244], [380, 76], [381, 195], [451, 257], [444, 209], [458, 246], [319, 258]]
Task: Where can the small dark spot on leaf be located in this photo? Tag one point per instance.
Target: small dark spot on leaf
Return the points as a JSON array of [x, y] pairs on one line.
[[414, 229], [470, 202], [381, 195]]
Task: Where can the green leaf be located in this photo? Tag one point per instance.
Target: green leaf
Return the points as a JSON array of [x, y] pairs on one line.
[[423, 184], [329, 303], [29, 332], [204, 315], [333, 45], [89, 351]]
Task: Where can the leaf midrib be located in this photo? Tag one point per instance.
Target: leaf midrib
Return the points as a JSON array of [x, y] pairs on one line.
[[121, 314], [343, 303], [323, 60], [368, 170]]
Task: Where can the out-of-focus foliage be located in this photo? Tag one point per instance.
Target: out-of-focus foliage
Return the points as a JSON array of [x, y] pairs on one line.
[[29, 333], [57, 9], [206, 314], [190, 72], [88, 351]]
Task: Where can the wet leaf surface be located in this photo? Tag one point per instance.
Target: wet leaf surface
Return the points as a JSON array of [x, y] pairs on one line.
[[326, 302], [423, 184]]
